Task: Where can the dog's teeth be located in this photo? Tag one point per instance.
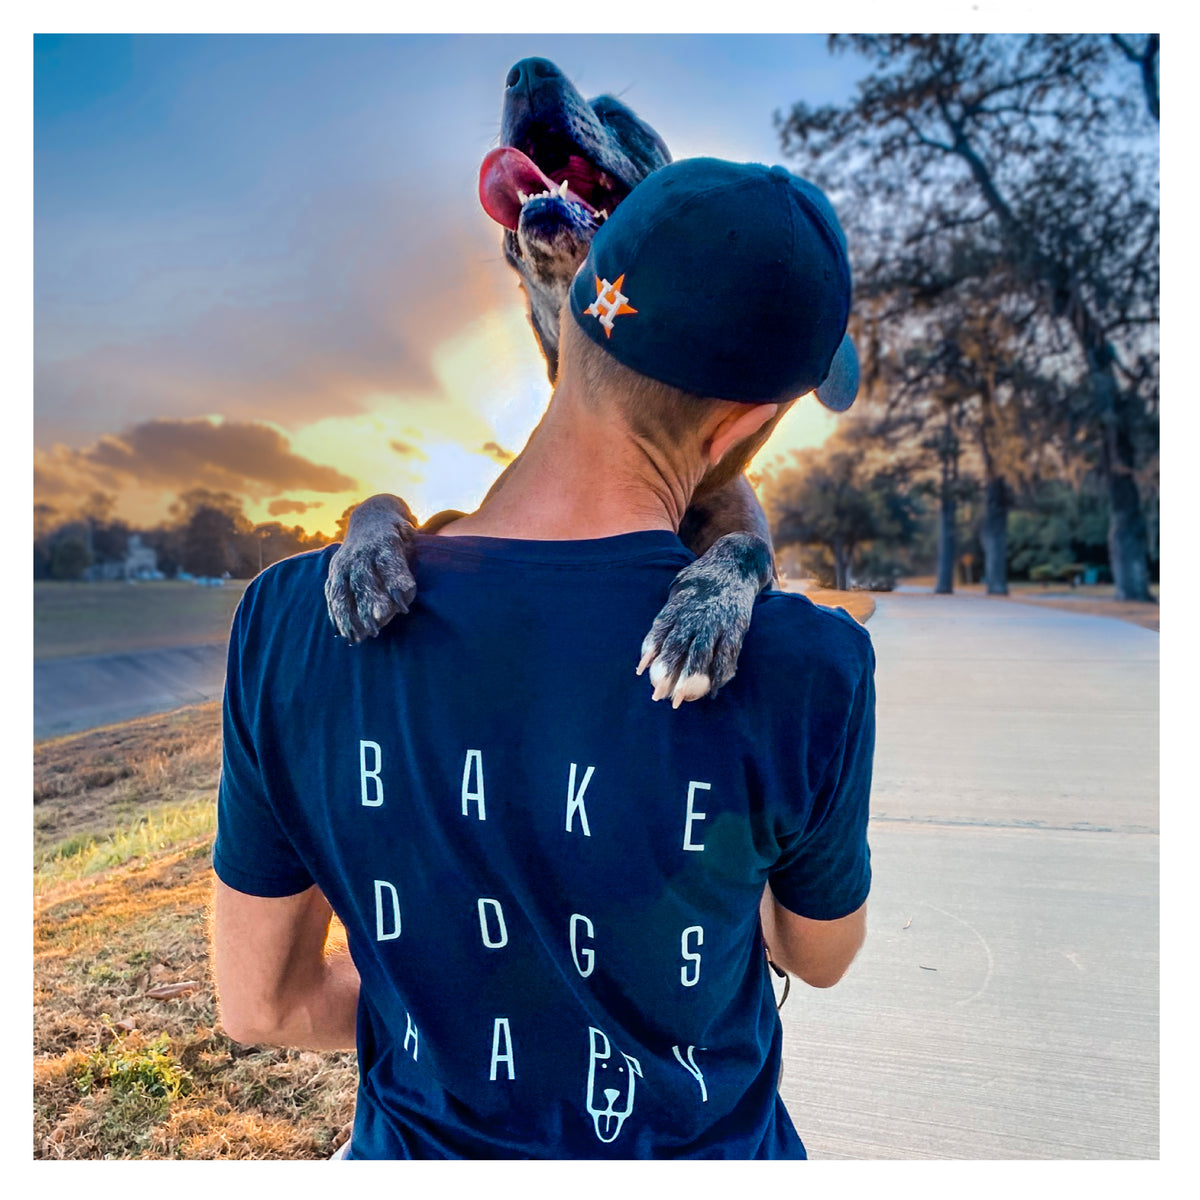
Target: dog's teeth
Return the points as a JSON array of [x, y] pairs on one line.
[[521, 196], [562, 189], [603, 214]]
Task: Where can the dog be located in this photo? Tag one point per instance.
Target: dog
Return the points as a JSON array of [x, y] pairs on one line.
[[563, 165]]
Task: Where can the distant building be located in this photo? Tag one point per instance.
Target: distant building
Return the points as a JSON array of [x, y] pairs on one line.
[[140, 562]]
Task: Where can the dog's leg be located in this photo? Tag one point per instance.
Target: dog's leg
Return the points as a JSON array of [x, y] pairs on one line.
[[369, 579], [692, 648]]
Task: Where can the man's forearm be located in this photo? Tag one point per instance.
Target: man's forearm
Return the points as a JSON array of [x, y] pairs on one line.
[[324, 1014], [818, 952], [278, 980]]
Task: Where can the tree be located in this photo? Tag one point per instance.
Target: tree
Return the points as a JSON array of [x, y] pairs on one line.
[[45, 518], [1145, 58], [69, 558], [208, 542], [269, 542], [833, 497], [1029, 145]]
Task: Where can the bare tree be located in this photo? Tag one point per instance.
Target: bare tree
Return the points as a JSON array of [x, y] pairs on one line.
[[1027, 145], [1145, 58]]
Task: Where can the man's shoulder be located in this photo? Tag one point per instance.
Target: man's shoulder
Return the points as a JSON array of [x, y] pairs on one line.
[[790, 632], [297, 581]]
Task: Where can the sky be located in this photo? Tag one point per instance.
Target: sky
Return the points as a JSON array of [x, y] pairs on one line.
[[261, 266]]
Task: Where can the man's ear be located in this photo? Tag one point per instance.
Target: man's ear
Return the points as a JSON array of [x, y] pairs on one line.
[[741, 422]]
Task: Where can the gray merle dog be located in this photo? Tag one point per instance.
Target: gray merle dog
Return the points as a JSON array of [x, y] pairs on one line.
[[563, 165]]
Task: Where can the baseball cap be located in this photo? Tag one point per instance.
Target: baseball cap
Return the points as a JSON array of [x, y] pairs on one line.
[[727, 280]]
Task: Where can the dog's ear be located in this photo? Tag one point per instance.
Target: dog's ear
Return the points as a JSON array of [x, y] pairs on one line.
[[639, 141]]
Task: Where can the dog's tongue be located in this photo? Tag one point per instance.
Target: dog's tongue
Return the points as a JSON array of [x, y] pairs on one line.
[[506, 170]]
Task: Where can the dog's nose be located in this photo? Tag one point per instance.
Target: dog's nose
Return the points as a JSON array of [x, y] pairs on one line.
[[529, 71]]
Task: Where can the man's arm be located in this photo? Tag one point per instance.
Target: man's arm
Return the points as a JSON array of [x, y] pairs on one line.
[[819, 952], [276, 983]]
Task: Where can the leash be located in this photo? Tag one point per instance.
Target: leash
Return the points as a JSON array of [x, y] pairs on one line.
[[787, 979]]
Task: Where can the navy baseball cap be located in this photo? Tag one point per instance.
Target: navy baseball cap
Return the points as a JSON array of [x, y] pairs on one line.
[[728, 280]]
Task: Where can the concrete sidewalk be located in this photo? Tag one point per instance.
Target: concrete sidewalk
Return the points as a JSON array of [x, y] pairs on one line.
[[82, 692], [1006, 1002]]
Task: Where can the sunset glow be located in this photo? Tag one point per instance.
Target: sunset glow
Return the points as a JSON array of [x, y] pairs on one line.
[[282, 286]]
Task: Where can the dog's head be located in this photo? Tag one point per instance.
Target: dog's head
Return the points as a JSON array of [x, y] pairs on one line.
[[562, 166], [612, 1081]]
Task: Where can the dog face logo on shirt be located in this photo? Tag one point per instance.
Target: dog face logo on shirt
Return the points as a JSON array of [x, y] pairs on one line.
[[611, 1080]]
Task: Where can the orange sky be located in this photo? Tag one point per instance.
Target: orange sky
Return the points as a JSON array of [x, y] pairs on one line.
[[440, 447], [261, 265]]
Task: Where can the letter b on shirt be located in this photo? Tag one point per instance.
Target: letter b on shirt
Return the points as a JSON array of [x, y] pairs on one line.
[[370, 763]]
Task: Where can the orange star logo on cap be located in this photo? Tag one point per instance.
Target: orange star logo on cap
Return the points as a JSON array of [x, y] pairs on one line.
[[609, 303]]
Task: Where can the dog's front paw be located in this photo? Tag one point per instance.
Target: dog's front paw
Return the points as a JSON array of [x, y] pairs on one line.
[[693, 646], [369, 579]]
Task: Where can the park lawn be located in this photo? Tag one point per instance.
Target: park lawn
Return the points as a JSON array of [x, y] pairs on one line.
[[112, 618], [120, 911]]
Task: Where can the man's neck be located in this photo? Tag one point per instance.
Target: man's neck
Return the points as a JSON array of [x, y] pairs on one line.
[[582, 476]]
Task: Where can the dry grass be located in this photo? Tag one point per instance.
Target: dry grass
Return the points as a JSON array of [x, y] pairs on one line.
[[859, 605], [87, 783], [101, 944], [1133, 611], [1095, 600], [106, 1083]]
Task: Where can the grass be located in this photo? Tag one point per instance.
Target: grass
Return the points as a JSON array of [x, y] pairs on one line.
[[112, 618], [125, 1068], [121, 1068], [160, 829], [86, 784], [859, 605]]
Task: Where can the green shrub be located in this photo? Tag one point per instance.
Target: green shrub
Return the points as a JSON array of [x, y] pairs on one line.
[[144, 1070]]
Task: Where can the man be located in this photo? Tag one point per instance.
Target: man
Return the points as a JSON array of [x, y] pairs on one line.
[[550, 883]]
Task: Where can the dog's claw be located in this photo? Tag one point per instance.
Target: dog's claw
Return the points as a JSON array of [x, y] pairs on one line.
[[692, 647], [369, 579]]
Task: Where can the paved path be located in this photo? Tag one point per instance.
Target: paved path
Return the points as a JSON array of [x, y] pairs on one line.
[[1006, 1002]]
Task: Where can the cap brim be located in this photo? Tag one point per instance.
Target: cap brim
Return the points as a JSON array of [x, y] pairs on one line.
[[840, 387]]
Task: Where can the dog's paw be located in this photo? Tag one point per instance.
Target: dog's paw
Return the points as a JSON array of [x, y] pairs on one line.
[[693, 646], [369, 579]]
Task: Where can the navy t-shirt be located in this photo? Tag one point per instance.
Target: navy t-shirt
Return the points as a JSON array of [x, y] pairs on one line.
[[550, 883]]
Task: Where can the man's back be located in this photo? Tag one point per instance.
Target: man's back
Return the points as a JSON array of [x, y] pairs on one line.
[[550, 883]]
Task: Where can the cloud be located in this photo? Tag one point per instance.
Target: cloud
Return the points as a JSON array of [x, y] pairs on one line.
[[407, 451], [249, 458], [277, 508], [495, 451], [349, 302]]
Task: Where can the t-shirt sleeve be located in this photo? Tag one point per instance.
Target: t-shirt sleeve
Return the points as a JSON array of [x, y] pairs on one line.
[[252, 852], [826, 873]]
